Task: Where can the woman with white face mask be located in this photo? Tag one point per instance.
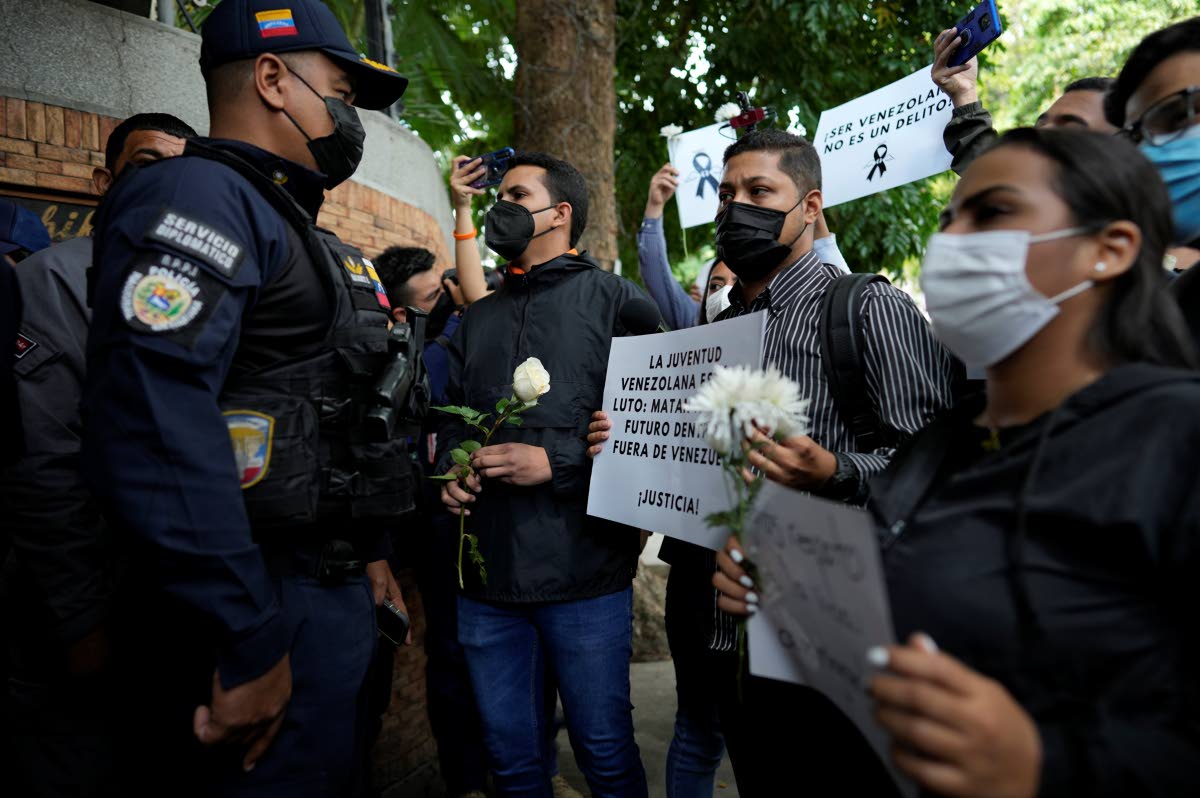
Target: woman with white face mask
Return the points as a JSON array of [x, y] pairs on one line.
[[1047, 536]]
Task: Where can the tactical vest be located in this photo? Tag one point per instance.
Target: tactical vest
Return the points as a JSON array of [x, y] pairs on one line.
[[299, 428]]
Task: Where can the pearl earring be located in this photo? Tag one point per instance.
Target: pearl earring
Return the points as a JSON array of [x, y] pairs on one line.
[[1101, 266]]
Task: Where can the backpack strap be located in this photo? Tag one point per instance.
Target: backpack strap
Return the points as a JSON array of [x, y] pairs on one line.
[[842, 353]]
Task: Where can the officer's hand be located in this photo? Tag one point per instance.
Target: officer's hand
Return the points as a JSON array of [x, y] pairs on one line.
[[514, 463], [598, 432], [958, 82], [662, 188], [380, 575], [456, 497], [249, 714], [466, 172]]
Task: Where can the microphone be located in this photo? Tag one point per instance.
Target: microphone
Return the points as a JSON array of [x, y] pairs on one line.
[[640, 316]]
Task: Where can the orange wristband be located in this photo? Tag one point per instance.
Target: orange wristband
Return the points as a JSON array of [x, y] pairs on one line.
[[466, 236]]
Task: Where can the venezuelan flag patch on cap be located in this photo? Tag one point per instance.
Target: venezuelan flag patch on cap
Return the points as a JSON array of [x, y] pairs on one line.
[[276, 23]]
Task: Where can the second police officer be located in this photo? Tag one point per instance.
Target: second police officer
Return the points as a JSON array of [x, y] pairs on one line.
[[232, 425]]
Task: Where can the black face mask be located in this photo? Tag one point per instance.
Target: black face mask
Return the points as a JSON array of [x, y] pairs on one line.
[[748, 239], [509, 229], [338, 154], [439, 315]]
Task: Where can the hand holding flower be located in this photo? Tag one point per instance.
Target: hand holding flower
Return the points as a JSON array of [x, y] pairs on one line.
[[798, 462]]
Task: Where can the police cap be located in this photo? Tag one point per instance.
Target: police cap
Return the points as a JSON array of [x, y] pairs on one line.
[[241, 29]]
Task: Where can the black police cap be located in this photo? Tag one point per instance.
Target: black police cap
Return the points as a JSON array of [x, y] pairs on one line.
[[237, 30]]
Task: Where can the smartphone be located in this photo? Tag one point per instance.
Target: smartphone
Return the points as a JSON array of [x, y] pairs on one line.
[[979, 28], [497, 165], [393, 624]]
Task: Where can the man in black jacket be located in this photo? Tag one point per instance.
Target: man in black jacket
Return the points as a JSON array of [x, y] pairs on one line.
[[558, 586]]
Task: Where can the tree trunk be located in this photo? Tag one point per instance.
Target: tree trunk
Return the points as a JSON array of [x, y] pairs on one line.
[[566, 102]]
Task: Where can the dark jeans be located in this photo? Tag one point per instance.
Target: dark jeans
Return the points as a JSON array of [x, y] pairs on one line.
[[697, 746], [588, 644], [453, 716], [166, 671], [785, 739]]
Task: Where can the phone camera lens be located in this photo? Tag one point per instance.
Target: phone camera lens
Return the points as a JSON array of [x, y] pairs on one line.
[[985, 22], [966, 37]]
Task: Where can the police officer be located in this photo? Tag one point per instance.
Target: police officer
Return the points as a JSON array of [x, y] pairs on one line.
[[232, 428]]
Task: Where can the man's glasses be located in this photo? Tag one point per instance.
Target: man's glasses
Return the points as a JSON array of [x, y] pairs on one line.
[[1167, 119]]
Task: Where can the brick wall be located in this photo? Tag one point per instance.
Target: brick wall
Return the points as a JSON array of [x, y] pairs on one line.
[[52, 148], [49, 151]]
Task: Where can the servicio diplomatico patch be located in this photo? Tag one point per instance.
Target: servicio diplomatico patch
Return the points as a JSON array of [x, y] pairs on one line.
[[167, 297], [198, 240]]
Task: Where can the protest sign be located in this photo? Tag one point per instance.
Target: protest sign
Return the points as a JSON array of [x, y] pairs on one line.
[[698, 156], [884, 139], [656, 472], [824, 601]]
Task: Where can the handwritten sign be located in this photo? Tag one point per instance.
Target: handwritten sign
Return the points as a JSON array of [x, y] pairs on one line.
[[884, 139], [824, 600], [656, 472], [699, 157]]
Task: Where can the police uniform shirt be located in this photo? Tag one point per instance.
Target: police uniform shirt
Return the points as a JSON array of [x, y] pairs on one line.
[[192, 266]]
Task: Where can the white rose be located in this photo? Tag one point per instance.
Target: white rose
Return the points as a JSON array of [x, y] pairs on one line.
[[530, 381]]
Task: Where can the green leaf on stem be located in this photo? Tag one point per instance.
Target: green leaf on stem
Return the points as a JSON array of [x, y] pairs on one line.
[[516, 420], [460, 456], [478, 426], [502, 405], [470, 447], [476, 557], [455, 410], [444, 478]]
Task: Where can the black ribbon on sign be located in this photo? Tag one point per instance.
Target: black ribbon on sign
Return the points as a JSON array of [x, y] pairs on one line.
[[705, 173], [880, 166]]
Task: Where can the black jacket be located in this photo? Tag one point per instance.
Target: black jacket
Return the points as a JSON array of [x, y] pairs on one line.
[[56, 579], [539, 544], [1066, 565], [968, 134]]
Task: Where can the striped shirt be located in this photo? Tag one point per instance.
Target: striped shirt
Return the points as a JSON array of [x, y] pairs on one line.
[[909, 374]]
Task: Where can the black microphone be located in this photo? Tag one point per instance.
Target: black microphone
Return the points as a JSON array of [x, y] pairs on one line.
[[640, 316]]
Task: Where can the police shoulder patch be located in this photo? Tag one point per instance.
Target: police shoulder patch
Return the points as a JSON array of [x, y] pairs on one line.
[[25, 345], [168, 296], [198, 240], [252, 434]]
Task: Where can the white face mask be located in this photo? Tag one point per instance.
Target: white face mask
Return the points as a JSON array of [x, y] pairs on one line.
[[982, 305], [717, 302]]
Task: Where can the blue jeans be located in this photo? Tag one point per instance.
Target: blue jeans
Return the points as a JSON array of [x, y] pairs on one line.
[[588, 644]]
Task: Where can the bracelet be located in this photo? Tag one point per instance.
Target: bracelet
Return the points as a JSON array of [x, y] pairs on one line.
[[466, 236]]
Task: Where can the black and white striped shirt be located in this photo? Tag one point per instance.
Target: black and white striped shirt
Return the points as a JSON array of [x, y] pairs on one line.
[[909, 374]]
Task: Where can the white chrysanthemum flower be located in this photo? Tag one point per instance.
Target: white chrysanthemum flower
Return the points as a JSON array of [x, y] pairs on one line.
[[737, 400], [670, 130], [727, 111]]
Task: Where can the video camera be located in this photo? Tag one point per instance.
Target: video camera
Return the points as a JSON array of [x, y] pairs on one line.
[[400, 397], [750, 117]]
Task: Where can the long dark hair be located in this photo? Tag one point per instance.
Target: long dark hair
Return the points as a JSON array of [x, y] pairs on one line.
[[1104, 179]]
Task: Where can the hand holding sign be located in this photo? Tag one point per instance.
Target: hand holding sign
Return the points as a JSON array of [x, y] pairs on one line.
[[956, 732], [662, 188]]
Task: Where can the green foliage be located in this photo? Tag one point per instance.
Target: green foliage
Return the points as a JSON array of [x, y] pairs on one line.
[[678, 60], [470, 447], [1049, 44]]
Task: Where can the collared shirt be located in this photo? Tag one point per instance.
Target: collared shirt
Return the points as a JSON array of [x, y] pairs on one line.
[[909, 374]]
